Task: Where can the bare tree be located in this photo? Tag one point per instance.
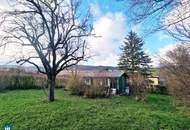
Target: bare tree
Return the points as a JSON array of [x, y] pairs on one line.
[[170, 15], [55, 29], [175, 69]]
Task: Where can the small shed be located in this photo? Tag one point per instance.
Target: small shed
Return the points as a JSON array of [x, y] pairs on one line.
[[114, 79]]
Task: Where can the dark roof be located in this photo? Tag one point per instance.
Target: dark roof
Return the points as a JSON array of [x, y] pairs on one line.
[[102, 74], [98, 74]]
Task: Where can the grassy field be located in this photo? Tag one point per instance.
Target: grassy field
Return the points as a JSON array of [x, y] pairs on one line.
[[29, 110]]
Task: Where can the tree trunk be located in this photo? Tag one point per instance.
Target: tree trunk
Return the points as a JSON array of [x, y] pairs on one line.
[[51, 86]]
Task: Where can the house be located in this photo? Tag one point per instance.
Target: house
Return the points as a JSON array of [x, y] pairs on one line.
[[114, 79], [154, 80]]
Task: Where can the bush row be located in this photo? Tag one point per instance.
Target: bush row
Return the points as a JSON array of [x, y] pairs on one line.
[[158, 89], [12, 82]]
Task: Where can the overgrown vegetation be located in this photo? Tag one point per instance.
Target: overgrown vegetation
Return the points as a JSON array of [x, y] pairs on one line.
[[26, 110], [176, 71], [138, 86], [159, 89], [15, 79], [77, 86], [95, 91]]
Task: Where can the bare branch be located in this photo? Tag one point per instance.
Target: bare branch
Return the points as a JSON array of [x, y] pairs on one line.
[[54, 29], [170, 15]]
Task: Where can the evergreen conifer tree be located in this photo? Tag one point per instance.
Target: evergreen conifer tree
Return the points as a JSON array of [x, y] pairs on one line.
[[133, 57]]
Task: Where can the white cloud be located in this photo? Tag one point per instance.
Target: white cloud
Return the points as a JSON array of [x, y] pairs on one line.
[[13, 52], [4, 5], [164, 50], [111, 29], [162, 54]]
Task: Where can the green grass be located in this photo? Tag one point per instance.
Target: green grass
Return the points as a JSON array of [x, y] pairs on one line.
[[29, 110], [154, 71]]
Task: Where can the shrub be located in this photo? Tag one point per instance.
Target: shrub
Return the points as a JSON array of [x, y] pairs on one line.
[[14, 80], [159, 89], [75, 85], [94, 91], [40, 81], [138, 86], [4, 82], [22, 82], [59, 83]]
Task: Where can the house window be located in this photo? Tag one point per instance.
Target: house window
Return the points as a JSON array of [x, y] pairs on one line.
[[87, 81], [101, 83], [108, 82]]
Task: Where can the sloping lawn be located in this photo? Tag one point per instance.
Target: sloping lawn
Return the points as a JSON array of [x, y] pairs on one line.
[[29, 110]]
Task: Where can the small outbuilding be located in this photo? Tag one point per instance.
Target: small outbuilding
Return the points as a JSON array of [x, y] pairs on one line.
[[115, 79]]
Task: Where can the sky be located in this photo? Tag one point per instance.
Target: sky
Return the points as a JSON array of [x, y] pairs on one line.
[[111, 21], [112, 24]]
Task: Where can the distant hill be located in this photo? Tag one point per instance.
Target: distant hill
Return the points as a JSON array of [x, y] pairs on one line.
[[78, 67], [23, 68], [155, 71], [88, 67]]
